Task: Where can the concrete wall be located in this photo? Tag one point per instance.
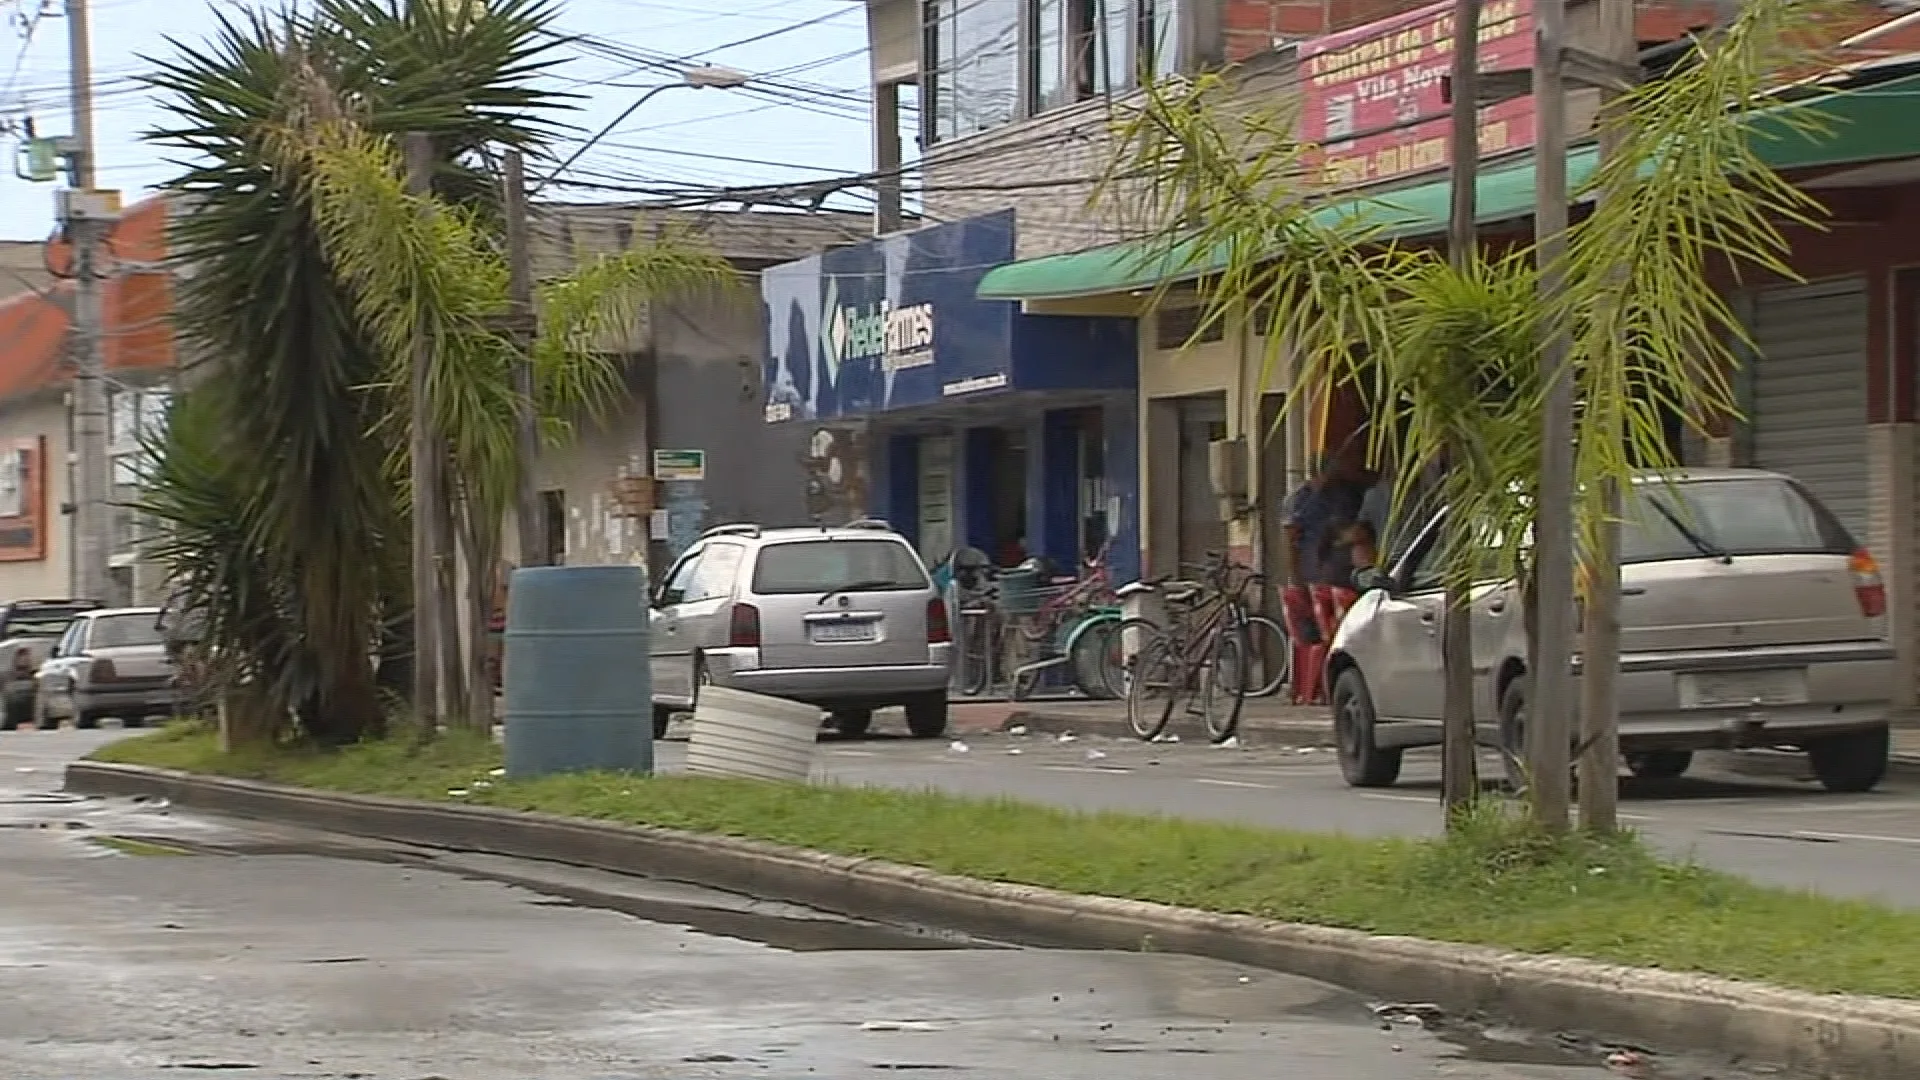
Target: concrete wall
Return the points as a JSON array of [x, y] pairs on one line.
[[713, 398]]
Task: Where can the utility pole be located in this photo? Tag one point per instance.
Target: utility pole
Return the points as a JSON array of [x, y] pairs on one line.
[[1460, 779], [1549, 712], [1600, 652], [88, 218], [526, 504], [423, 464]]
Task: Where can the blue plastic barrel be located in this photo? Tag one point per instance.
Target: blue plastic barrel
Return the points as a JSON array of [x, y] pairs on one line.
[[578, 685]]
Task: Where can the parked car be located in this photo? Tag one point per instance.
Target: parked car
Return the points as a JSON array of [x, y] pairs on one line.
[[28, 631], [844, 618], [111, 662], [1750, 618]]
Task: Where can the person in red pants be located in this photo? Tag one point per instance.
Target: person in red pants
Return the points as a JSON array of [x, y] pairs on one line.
[[1316, 517]]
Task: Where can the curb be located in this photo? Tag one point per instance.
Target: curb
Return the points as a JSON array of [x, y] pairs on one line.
[[1041, 719], [1834, 1036]]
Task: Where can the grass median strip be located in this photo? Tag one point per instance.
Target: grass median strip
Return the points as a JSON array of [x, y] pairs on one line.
[[1495, 884]]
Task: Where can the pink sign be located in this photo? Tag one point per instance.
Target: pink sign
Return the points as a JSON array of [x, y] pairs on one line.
[[1373, 97]]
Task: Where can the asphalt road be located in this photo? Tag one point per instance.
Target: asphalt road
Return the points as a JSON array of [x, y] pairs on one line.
[[1780, 831], [138, 942]]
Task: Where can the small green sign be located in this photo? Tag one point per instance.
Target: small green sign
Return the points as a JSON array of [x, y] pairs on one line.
[[679, 464]]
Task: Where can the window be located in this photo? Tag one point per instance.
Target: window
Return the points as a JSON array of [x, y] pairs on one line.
[[1176, 327], [1049, 58], [990, 61], [714, 577], [1739, 517], [680, 578], [816, 566], [122, 631]]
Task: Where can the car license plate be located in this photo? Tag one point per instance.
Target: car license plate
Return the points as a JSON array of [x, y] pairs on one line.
[[1724, 689], [862, 630]]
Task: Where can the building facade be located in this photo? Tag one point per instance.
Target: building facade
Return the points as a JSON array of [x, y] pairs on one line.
[[984, 427], [693, 391]]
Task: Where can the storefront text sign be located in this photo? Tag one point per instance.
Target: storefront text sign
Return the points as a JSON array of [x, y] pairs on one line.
[[672, 465], [899, 337], [1374, 100]]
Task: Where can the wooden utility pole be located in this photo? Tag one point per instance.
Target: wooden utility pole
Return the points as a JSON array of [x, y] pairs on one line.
[[1549, 713], [1460, 775], [526, 502], [423, 464], [1600, 651]]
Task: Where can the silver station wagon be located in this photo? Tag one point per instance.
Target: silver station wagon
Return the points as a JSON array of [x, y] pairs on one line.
[[1749, 619], [844, 618]]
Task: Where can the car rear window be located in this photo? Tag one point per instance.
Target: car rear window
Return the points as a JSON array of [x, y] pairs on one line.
[[121, 631], [804, 566], [1758, 516]]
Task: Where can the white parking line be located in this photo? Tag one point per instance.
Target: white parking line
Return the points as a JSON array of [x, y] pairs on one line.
[[1876, 807], [1231, 783], [1107, 770]]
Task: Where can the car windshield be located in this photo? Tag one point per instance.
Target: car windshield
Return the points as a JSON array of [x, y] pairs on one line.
[[822, 565], [1713, 518], [121, 631], [39, 625]]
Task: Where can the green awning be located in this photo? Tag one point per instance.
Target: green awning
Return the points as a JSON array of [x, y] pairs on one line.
[[1871, 123]]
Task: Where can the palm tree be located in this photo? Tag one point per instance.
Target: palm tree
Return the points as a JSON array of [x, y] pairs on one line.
[[284, 518], [1447, 354]]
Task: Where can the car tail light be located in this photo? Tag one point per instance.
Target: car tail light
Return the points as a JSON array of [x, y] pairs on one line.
[[1868, 588], [743, 627], [939, 632], [102, 671]]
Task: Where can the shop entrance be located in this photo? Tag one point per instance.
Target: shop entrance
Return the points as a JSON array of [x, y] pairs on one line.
[[1203, 420], [997, 493]]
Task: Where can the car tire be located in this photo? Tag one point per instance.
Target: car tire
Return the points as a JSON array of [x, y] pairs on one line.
[[1659, 764], [927, 715], [1513, 733], [1851, 763], [86, 721], [1363, 763], [852, 723], [133, 722], [16, 715], [662, 719]]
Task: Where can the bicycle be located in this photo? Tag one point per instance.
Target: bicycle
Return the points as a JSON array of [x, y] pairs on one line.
[[1200, 654], [1100, 650]]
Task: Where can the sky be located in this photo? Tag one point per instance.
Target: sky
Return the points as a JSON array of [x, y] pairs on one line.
[[805, 119]]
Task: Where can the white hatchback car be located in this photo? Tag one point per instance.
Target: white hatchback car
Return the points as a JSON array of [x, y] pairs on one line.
[[1750, 618]]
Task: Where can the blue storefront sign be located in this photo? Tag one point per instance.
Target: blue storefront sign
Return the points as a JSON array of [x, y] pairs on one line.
[[986, 426], [894, 324]]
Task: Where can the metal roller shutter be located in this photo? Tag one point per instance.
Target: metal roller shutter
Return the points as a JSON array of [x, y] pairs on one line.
[[1809, 409]]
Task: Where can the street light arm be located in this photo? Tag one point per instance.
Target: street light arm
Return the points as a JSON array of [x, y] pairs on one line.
[[605, 131]]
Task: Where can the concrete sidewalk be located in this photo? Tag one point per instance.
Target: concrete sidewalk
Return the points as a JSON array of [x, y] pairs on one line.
[[1272, 722]]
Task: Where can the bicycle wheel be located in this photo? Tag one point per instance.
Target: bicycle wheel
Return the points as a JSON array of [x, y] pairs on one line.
[[1091, 646], [976, 653], [1223, 683], [1154, 679], [1269, 656]]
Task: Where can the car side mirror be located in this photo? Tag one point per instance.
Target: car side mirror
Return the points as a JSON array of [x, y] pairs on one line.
[[667, 598], [1371, 578]]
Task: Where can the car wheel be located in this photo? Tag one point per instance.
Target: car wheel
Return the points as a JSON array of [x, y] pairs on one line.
[[132, 722], [1851, 763], [1660, 764], [662, 717], [1362, 762], [1513, 733], [927, 715], [18, 713], [86, 721], [852, 723]]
